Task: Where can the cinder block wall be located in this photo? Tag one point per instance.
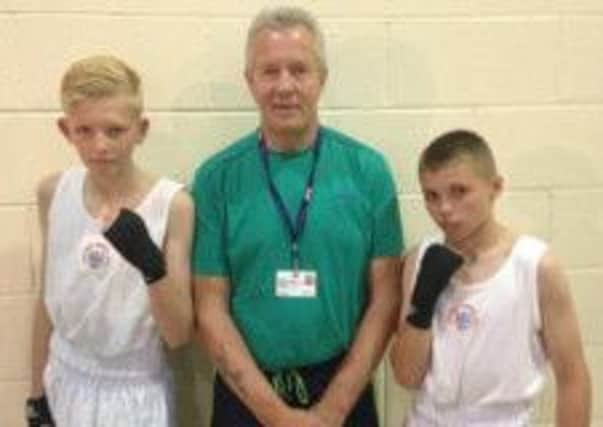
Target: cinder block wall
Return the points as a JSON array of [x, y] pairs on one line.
[[528, 74]]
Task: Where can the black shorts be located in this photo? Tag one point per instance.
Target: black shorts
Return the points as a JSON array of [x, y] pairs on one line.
[[229, 411]]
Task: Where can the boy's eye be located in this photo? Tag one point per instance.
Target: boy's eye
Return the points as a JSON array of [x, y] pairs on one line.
[[83, 131], [430, 196], [458, 191], [114, 132]]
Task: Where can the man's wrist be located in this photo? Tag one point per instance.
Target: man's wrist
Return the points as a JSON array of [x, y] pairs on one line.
[[275, 414], [331, 411]]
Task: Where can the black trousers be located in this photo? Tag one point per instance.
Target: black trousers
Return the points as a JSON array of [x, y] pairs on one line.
[[229, 411]]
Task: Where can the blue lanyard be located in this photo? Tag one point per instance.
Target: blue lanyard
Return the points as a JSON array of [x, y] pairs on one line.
[[295, 230]]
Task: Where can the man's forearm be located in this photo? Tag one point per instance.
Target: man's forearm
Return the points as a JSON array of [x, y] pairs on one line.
[[364, 356], [369, 344], [237, 368]]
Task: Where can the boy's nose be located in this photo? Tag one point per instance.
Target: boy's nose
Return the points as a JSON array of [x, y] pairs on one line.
[[101, 141], [445, 207]]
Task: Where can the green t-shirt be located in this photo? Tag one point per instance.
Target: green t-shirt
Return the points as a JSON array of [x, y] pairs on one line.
[[353, 218]]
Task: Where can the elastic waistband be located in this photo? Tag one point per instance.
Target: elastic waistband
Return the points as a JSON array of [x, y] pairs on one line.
[[139, 364], [330, 365], [300, 386], [503, 414]]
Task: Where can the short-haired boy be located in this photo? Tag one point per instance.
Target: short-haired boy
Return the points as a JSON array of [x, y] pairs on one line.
[[116, 265], [484, 308]]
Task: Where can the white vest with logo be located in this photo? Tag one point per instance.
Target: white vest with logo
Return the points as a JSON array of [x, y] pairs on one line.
[[106, 364], [487, 360]]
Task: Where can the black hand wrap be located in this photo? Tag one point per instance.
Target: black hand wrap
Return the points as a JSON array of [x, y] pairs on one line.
[[37, 412], [437, 266], [130, 237]]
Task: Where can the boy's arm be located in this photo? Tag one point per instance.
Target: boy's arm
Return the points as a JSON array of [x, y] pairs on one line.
[[368, 346], [170, 297], [42, 326], [42, 329], [37, 411], [166, 270], [563, 344], [413, 342], [410, 350]]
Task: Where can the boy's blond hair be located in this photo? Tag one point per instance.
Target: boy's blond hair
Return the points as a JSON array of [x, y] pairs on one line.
[[97, 77]]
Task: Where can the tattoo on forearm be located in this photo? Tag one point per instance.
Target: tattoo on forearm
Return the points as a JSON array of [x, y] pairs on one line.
[[231, 374]]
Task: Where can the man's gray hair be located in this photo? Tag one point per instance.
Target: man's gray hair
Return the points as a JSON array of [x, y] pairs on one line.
[[283, 18]]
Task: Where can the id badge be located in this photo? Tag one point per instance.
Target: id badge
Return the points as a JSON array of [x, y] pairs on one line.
[[296, 284]]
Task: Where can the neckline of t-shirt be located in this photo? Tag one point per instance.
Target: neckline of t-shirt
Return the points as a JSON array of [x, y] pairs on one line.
[[139, 208], [469, 287]]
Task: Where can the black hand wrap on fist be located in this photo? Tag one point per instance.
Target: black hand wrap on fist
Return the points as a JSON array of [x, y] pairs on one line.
[[130, 237], [437, 266], [38, 413]]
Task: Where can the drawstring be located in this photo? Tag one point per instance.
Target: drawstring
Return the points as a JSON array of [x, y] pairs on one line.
[[290, 385]]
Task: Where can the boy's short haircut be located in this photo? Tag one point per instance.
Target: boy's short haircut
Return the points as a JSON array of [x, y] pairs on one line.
[[282, 18], [97, 77], [455, 145]]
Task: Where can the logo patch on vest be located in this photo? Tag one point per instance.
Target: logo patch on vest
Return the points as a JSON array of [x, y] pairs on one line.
[[95, 254], [462, 317]]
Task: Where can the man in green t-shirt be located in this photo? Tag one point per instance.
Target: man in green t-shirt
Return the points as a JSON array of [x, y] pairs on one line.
[[296, 258]]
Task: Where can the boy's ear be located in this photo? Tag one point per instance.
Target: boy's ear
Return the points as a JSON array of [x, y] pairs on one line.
[[323, 77], [63, 127], [498, 185], [248, 77], [143, 128]]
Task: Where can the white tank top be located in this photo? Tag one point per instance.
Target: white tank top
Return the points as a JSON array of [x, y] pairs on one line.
[[97, 301], [488, 362]]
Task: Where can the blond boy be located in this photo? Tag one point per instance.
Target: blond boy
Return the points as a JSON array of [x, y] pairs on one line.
[[116, 264]]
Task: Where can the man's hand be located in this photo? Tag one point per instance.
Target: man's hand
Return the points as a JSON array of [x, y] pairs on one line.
[[37, 412], [330, 417], [437, 266], [130, 237], [299, 417]]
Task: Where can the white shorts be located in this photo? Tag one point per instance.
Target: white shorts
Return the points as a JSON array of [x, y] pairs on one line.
[[83, 392]]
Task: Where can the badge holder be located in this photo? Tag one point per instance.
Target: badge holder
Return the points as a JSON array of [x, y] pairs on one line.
[[296, 283]]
